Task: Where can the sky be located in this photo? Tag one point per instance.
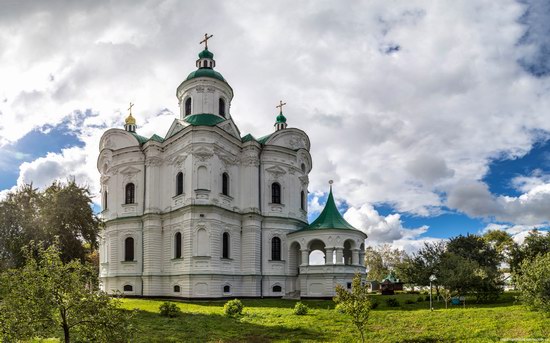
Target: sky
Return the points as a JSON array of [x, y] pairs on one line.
[[431, 117]]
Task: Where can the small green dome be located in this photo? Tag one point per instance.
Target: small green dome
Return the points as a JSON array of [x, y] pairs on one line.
[[206, 54], [281, 118], [205, 72]]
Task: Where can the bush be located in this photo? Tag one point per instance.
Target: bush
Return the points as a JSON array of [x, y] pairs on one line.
[[413, 292], [427, 298], [300, 309], [168, 309], [374, 305], [420, 299], [409, 301], [392, 302], [534, 283], [233, 308]]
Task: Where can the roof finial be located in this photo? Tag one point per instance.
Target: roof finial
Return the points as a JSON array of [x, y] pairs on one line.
[[205, 40], [130, 108], [280, 106], [330, 182]]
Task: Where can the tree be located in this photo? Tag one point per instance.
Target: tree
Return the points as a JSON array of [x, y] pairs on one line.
[[355, 303], [487, 284], [61, 210], [418, 268], [46, 295], [534, 283], [382, 259], [457, 275], [502, 242], [535, 244]]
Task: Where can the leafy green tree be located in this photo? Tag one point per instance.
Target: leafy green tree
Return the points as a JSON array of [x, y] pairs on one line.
[[487, 285], [382, 259], [457, 275], [62, 210], [19, 224], [534, 283], [355, 303], [47, 295], [502, 242], [535, 244], [418, 268]]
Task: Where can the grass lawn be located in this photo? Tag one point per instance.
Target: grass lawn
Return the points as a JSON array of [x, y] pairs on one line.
[[272, 320]]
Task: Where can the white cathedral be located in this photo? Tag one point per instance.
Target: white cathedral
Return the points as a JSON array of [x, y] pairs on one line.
[[205, 213]]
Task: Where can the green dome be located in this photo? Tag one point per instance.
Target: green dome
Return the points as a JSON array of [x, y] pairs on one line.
[[205, 72], [281, 118], [206, 54]]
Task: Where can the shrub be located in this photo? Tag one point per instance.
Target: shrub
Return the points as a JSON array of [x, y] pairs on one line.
[[168, 309], [420, 299], [534, 283], [392, 302], [233, 308], [427, 298], [374, 305], [300, 309], [409, 301]]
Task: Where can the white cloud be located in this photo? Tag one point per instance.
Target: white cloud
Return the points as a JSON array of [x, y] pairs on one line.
[[387, 229]]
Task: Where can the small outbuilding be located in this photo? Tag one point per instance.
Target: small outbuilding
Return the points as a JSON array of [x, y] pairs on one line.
[[390, 284]]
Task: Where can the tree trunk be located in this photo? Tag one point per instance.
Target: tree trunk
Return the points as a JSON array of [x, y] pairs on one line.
[[362, 336], [66, 332]]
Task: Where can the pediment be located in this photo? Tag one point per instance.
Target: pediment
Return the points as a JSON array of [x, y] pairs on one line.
[[230, 127], [275, 171], [176, 127], [129, 171]]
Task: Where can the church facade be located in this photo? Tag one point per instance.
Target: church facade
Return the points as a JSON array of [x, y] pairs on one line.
[[204, 212]]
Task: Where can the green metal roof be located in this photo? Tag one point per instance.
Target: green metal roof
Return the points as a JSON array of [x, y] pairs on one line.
[[140, 139], [281, 118], [205, 72], [206, 54], [204, 119], [391, 278], [263, 139], [247, 138], [330, 218]]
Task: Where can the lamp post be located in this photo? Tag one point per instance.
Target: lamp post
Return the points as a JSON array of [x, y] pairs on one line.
[[432, 279]]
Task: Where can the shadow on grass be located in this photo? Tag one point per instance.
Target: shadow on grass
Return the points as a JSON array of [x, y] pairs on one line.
[[203, 327]]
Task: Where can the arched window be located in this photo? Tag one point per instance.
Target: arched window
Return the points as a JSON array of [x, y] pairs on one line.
[[275, 193], [276, 249], [129, 249], [105, 200], [227, 289], [202, 243], [177, 245], [303, 200], [303, 166], [204, 64], [130, 194], [277, 289], [188, 106], [225, 245], [177, 289], [128, 288], [225, 184], [221, 105], [179, 183]]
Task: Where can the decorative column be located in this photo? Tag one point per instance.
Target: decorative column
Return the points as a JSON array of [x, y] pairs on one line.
[[328, 256], [354, 257], [305, 257], [339, 255]]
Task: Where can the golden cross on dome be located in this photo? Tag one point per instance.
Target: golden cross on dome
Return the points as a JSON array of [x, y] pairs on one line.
[[130, 108], [280, 106], [205, 40]]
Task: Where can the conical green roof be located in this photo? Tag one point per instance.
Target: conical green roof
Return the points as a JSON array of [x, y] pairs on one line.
[[330, 218]]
